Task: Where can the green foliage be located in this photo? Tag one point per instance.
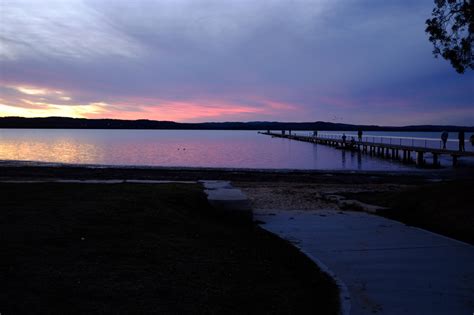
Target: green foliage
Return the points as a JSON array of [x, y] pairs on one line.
[[451, 31]]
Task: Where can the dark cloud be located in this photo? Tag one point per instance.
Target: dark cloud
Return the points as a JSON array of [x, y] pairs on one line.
[[364, 61]]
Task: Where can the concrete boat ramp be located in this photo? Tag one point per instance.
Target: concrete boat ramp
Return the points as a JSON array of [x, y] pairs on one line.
[[387, 267]]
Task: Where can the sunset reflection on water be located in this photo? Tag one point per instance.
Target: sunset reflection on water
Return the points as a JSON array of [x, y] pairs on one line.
[[239, 149], [63, 150]]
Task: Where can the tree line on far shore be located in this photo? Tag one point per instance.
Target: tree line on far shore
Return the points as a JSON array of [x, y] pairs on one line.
[[83, 123]]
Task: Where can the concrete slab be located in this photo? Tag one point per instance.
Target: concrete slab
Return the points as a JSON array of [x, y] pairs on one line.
[[225, 194], [222, 191], [216, 184], [388, 267], [232, 201]]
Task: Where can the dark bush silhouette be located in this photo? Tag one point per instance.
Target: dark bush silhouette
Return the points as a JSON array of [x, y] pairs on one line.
[[451, 31]]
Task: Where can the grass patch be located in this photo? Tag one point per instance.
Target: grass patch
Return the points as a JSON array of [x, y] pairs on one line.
[[135, 248], [446, 208]]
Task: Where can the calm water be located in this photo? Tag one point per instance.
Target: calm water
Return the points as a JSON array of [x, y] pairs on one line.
[[239, 149]]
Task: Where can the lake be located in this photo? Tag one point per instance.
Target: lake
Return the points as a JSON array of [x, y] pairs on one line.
[[189, 148]]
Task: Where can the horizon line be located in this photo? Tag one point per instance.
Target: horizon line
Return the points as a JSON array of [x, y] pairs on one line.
[[241, 122]]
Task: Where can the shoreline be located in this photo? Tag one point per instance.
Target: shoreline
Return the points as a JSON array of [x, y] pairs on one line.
[[44, 170], [32, 169], [32, 163]]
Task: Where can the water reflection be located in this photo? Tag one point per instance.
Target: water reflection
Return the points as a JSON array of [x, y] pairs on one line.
[[241, 149], [343, 158], [359, 160], [57, 150]]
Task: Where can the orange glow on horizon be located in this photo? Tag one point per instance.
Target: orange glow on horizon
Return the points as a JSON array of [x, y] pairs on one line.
[[48, 110], [29, 101]]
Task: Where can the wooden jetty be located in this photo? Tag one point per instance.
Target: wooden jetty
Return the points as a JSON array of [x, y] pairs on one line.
[[403, 153]]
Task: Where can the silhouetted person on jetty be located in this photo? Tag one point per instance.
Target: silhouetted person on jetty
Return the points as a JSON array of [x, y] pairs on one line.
[[353, 142], [344, 138], [461, 141], [359, 135], [472, 140], [444, 138], [315, 133]]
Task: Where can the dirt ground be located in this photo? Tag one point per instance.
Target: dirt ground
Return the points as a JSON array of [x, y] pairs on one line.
[[298, 196]]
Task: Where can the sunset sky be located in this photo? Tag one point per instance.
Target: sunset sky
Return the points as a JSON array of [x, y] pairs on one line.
[[351, 61]]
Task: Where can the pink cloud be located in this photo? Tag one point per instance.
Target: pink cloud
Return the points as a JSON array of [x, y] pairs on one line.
[[176, 111]]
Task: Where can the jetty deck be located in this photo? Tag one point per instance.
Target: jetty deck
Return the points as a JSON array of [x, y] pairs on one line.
[[402, 152]]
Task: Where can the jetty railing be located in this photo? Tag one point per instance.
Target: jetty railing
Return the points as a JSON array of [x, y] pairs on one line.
[[413, 150], [452, 144]]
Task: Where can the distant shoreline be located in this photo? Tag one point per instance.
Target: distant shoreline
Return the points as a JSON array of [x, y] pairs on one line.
[[83, 123]]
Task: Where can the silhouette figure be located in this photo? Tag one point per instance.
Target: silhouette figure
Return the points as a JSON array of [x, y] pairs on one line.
[[315, 133], [359, 135], [444, 138], [472, 140], [344, 138], [461, 141]]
